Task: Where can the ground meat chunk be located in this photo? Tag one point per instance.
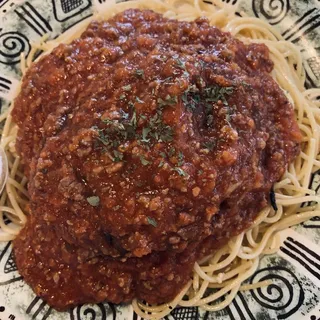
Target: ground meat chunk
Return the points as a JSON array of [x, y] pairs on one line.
[[147, 142]]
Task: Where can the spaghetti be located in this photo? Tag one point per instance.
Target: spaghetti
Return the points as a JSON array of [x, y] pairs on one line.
[[224, 271]]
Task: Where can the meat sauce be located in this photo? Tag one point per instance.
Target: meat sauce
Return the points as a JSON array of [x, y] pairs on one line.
[[147, 143]]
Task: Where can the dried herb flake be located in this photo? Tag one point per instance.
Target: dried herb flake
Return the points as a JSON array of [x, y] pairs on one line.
[[152, 221], [127, 87], [181, 172], [143, 160], [139, 73], [94, 201]]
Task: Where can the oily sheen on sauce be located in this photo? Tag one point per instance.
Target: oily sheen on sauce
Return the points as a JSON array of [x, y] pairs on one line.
[[148, 143]]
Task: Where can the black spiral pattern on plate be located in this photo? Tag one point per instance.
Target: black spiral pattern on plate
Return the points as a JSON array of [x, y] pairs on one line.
[[12, 44], [285, 295], [100, 311], [272, 10], [84, 311]]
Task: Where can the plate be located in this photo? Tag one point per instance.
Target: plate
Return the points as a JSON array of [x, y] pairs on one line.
[[294, 270]]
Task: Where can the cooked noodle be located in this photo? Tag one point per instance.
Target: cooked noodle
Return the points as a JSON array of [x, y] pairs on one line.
[[225, 270]]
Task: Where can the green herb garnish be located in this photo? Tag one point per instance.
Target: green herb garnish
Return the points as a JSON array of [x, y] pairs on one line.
[[139, 100], [168, 101], [180, 158], [209, 145], [209, 120], [180, 171], [139, 73], [118, 156], [216, 93], [143, 160], [94, 201], [245, 84], [191, 98], [145, 132], [133, 120], [124, 115], [166, 133], [161, 164], [152, 221], [171, 151], [127, 87], [181, 64]]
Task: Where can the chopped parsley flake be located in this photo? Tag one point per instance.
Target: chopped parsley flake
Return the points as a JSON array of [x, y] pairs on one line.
[[122, 96], [171, 151], [166, 133], [117, 131], [94, 201], [216, 93], [158, 130], [191, 98], [181, 64], [169, 101], [116, 208], [167, 79], [228, 117], [145, 132], [143, 160], [161, 164], [118, 156], [186, 74], [201, 82], [180, 158], [245, 84], [209, 145], [124, 115], [139, 73], [133, 120], [127, 87], [180, 171], [139, 100], [160, 58], [209, 120], [152, 221]]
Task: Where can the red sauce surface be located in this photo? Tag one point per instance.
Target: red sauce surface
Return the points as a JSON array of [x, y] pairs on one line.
[[148, 143]]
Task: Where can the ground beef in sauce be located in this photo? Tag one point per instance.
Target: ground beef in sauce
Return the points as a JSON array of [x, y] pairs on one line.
[[148, 143]]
